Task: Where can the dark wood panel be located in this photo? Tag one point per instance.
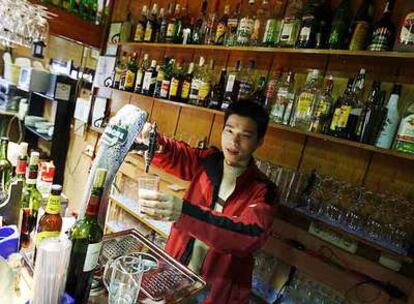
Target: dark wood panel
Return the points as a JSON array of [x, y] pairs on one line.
[[166, 117], [143, 102], [343, 162], [282, 147], [118, 100]]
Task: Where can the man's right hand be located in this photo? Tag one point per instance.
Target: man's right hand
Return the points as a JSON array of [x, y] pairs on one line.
[[143, 136]]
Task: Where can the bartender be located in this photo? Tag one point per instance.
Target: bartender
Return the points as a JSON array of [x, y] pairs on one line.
[[227, 212]]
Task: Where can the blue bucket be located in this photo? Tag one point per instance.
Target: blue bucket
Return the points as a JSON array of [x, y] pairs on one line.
[[9, 240]]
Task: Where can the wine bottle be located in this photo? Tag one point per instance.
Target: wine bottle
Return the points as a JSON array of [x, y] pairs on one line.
[[217, 93], [232, 86], [383, 34], [86, 236], [200, 25], [131, 73], [148, 83], [140, 27], [186, 84], [152, 26], [5, 168], [340, 25]]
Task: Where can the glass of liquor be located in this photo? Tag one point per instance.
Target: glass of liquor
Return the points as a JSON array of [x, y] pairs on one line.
[[148, 186]]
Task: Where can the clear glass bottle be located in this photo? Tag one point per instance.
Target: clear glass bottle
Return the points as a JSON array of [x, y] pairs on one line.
[[273, 23], [291, 24], [305, 102], [247, 82], [323, 108], [246, 26]]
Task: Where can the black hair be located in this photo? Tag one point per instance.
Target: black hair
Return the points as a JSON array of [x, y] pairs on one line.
[[251, 110]]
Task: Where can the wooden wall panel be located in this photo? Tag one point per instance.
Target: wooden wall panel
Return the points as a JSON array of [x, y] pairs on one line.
[[391, 174], [282, 147], [166, 117], [118, 100], [193, 125], [143, 102], [215, 134], [344, 162]]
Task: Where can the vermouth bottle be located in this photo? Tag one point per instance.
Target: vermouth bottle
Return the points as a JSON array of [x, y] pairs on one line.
[[86, 236]]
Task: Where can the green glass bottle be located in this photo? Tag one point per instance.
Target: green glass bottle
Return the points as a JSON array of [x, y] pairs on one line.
[[5, 168], [340, 25], [21, 165], [86, 236]]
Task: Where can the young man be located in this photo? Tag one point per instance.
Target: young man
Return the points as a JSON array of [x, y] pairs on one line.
[[228, 209]]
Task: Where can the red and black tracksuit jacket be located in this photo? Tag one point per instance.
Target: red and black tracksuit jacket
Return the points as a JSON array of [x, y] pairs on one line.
[[233, 235]]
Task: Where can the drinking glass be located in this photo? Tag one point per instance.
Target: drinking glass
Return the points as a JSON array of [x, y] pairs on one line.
[[148, 185]]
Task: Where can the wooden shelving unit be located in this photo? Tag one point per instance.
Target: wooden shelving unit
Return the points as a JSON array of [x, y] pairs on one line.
[[273, 50], [72, 27]]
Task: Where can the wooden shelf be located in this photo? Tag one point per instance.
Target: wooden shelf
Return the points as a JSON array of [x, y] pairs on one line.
[[323, 137], [7, 113], [397, 55], [72, 27], [47, 97], [45, 137]]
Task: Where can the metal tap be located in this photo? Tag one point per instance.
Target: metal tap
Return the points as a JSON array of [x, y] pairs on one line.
[[150, 149]]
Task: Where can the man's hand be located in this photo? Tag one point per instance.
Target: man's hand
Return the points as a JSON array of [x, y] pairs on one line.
[[143, 136], [161, 206]]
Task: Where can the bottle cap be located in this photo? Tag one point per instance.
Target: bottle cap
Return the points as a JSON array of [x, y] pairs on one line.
[[23, 149], [56, 189], [34, 158]]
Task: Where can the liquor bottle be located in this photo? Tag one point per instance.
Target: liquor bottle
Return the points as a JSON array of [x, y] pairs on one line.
[[211, 26], [341, 110], [404, 141], [186, 84], [323, 108], [148, 83], [365, 128], [123, 73], [161, 76], [340, 25], [289, 96], [217, 93], [383, 33], [272, 87], [21, 165], [200, 25], [232, 86], [164, 20], [31, 201], [5, 168], [172, 22], [361, 26], [222, 26], [259, 19], [50, 224], [305, 102], [126, 29], [196, 83], [86, 236], [357, 110], [175, 83], [259, 94], [247, 82], [230, 38], [325, 20], [152, 26], [387, 132], [311, 23], [246, 26], [166, 82], [405, 38], [140, 27], [140, 73], [273, 23], [131, 73], [291, 24], [205, 74], [181, 21], [119, 69]]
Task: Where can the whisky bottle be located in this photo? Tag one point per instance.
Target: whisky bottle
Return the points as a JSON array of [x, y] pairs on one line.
[[148, 83], [140, 73], [222, 26], [131, 73], [152, 26], [383, 33], [140, 27], [323, 108], [186, 84], [175, 83], [361, 26]]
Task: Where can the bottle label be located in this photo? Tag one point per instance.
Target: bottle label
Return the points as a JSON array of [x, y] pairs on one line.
[[220, 32], [40, 236], [165, 87], [93, 205], [146, 83], [185, 91], [289, 106], [170, 30], [245, 30], [203, 91], [278, 109], [381, 39], [245, 90], [232, 22], [195, 86], [287, 31], [407, 30], [139, 32], [53, 205], [230, 83], [174, 87], [406, 130], [304, 34], [148, 33], [138, 80], [304, 107], [21, 167], [269, 36], [129, 79], [92, 256], [335, 119], [359, 36], [344, 116]]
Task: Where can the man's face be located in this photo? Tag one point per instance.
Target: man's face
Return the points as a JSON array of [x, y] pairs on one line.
[[239, 139]]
